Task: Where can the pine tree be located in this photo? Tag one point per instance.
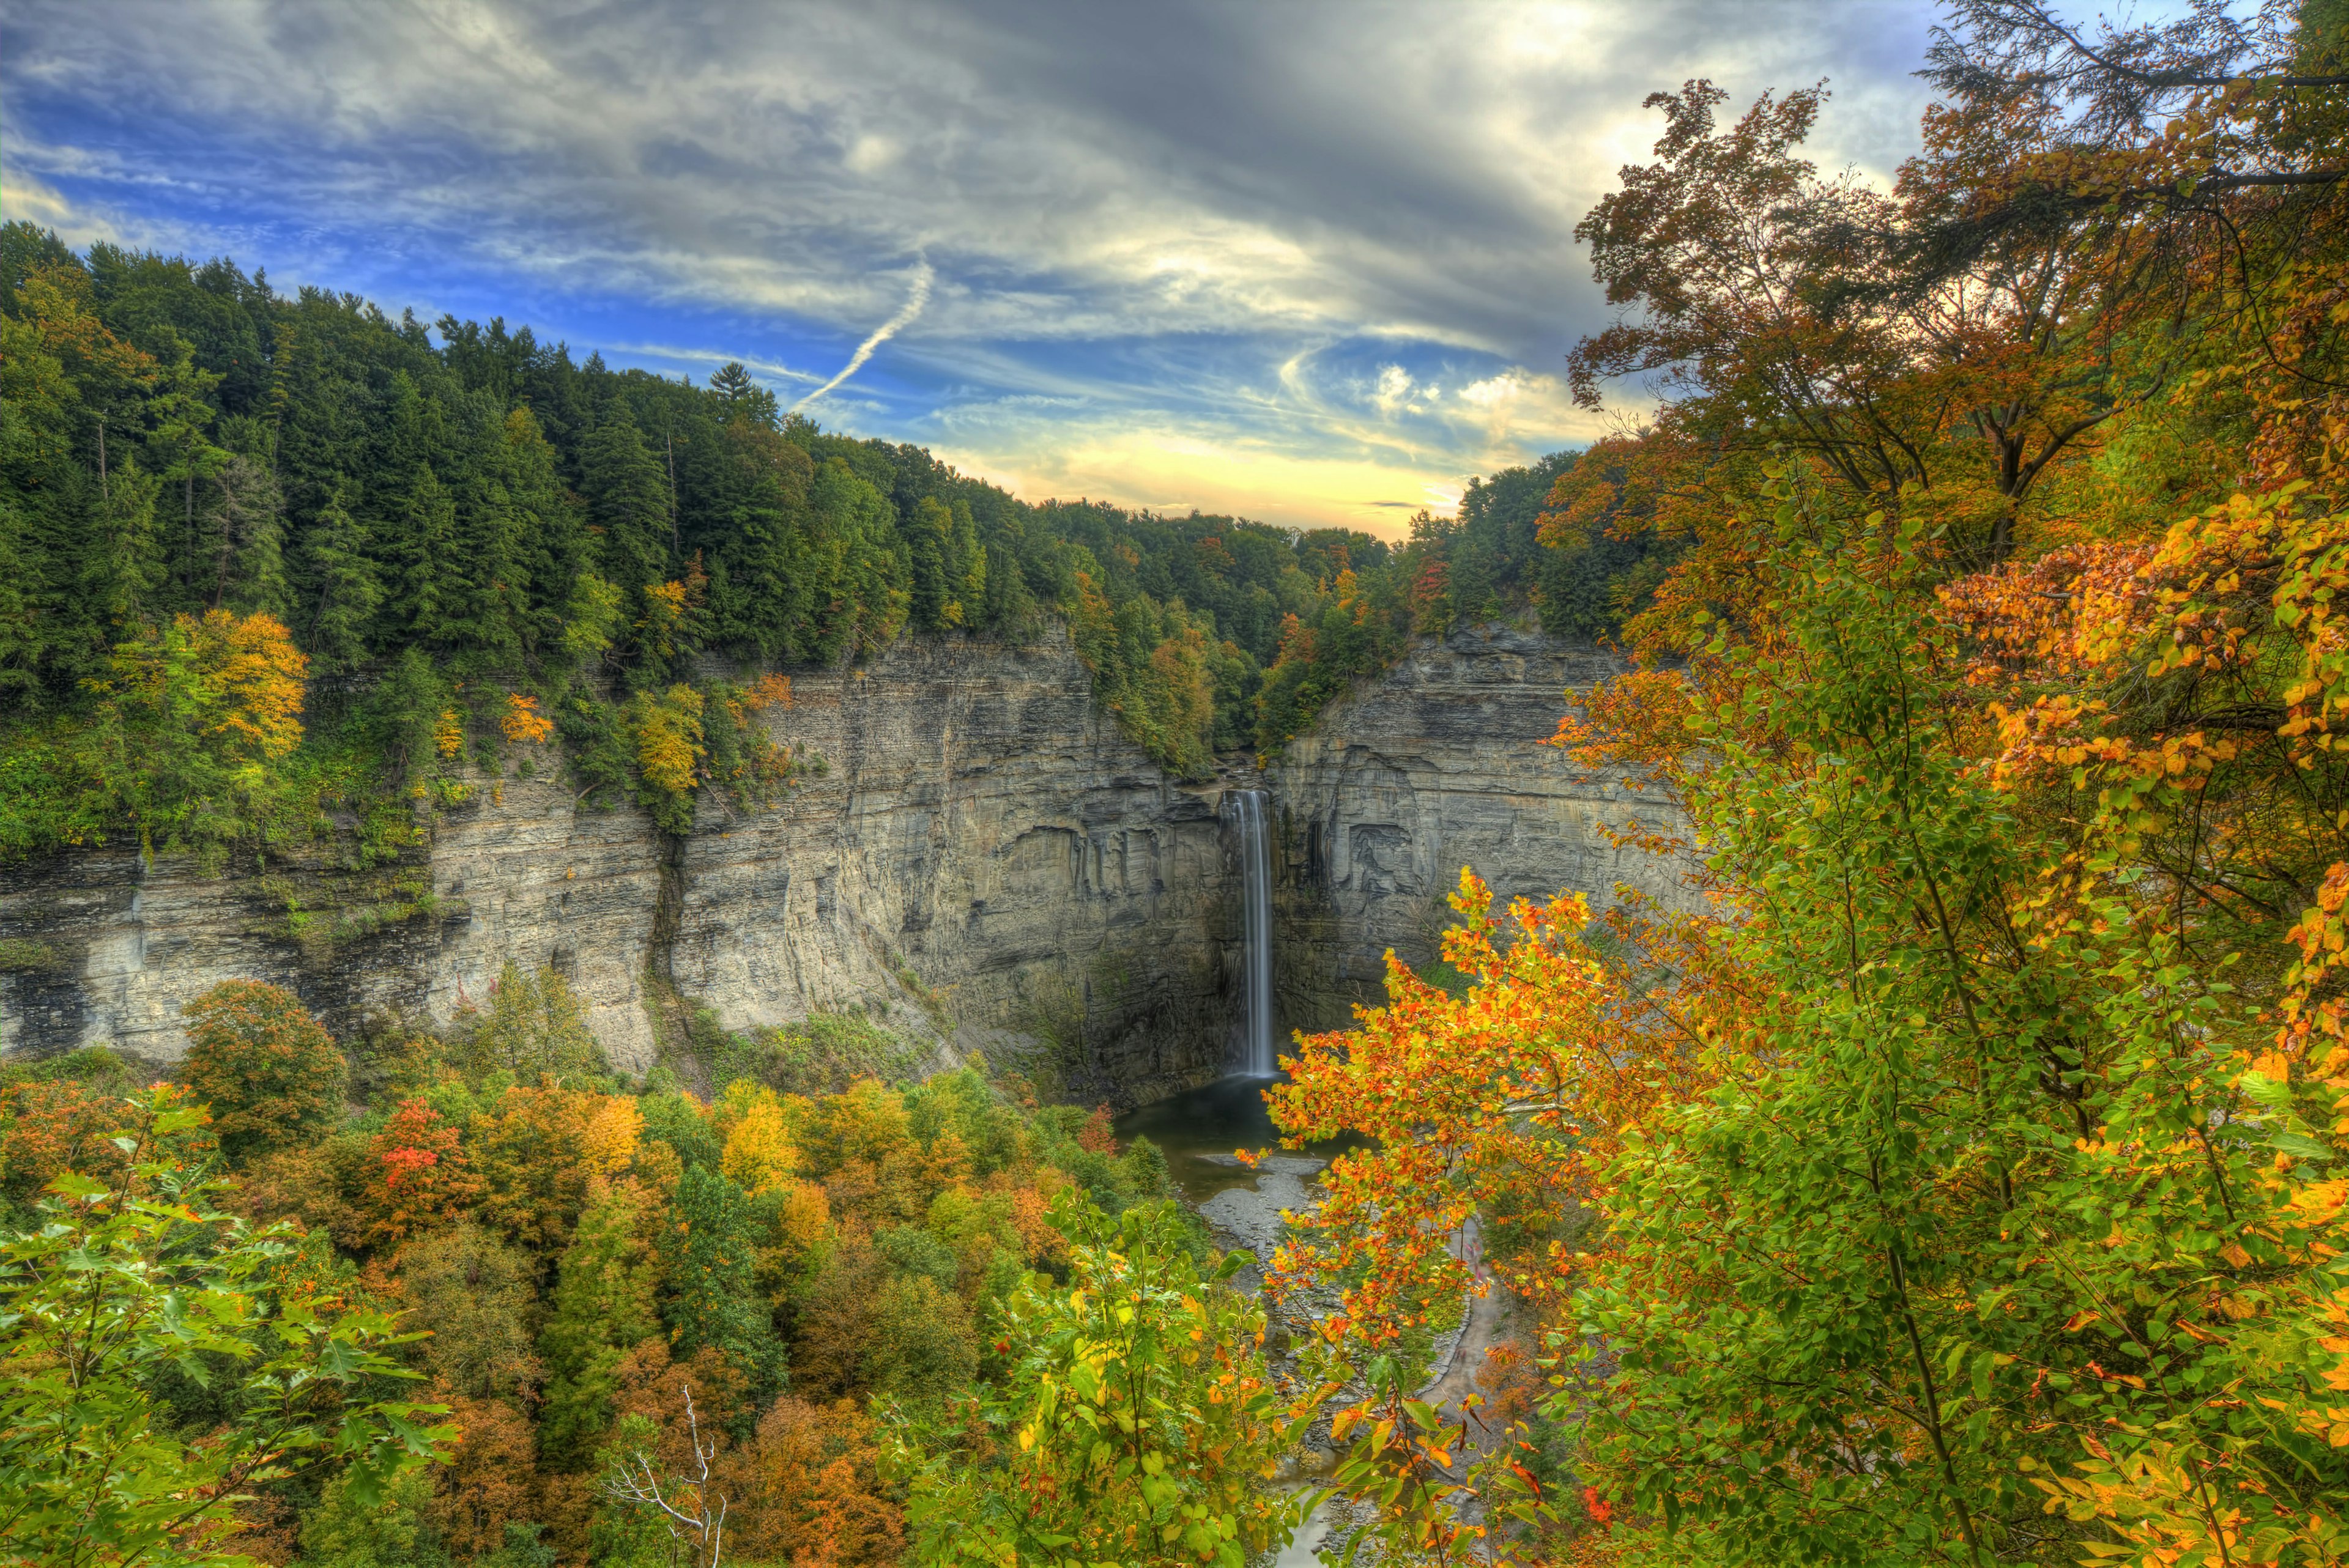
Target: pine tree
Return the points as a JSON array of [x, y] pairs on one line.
[[341, 585], [628, 501], [249, 567], [123, 569], [548, 542], [20, 640], [424, 544], [745, 399]]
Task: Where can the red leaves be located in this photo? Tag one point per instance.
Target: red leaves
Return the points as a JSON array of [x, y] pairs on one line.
[[420, 1177]]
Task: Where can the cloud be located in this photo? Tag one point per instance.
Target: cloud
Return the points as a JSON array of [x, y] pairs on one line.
[[1228, 222], [915, 300]]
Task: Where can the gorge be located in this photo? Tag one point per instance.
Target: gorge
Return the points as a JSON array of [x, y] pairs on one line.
[[982, 862]]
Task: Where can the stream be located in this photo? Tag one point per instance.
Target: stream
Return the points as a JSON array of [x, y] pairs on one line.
[[1201, 1132]]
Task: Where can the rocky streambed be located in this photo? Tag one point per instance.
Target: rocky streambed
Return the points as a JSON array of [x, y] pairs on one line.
[[1245, 1204]]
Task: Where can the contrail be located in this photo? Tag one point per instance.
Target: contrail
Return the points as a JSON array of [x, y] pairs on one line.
[[887, 329]]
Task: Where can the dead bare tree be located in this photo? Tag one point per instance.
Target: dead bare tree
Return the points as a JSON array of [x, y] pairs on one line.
[[690, 1507]]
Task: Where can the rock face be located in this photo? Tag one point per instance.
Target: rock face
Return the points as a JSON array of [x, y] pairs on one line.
[[984, 860], [1436, 765]]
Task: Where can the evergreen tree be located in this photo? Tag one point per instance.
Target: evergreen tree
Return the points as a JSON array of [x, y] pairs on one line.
[[543, 548], [628, 501], [340, 584], [744, 398], [123, 571], [424, 546], [249, 557]]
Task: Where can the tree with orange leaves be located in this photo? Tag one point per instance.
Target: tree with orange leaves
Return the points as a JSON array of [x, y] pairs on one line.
[[196, 724], [59, 1120], [807, 1488], [1505, 1101], [269, 1071], [1494, 1115], [421, 1178], [539, 1152]]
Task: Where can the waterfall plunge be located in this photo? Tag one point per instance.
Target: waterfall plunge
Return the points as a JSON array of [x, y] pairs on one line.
[[1248, 810]]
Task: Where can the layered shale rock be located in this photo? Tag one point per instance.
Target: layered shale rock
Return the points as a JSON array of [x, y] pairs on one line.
[[983, 862], [1436, 765]]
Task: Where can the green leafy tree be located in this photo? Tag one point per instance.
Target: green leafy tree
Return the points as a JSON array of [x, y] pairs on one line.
[[661, 1507], [477, 1295], [390, 1531], [1986, 1252], [925, 1348], [710, 1250], [602, 1308], [535, 1027], [195, 726], [1135, 1420], [268, 1070], [121, 1282]]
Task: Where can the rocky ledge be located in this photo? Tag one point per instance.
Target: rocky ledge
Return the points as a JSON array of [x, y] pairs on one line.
[[1436, 765], [985, 862]]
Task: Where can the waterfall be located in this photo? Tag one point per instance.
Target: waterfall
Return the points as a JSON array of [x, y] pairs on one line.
[[1249, 808]]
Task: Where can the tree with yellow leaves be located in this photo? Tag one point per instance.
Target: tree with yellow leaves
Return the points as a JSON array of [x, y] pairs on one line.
[[669, 751], [195, 724]]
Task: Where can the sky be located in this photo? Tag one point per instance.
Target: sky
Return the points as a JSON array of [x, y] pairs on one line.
[[1308, 263]]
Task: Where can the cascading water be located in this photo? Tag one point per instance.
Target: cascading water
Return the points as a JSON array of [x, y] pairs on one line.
[[1248, 810]]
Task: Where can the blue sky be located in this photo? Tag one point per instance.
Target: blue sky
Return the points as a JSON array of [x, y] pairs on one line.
[[1311, 263]]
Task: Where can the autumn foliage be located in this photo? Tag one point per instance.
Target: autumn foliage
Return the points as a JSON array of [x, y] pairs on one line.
[[1950, 1172], [794, 1288], [268, 1070]]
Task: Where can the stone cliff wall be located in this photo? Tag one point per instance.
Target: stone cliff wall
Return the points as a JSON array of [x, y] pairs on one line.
[[985, 862], [1435, 766], [985, 858]]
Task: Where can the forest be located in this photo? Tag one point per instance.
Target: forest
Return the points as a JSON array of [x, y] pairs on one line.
[[1946, 1179], [414, 543]]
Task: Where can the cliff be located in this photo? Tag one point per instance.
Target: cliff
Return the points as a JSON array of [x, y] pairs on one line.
[[1436, 765], [984, 860]]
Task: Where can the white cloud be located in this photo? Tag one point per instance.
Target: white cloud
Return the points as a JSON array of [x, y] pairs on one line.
[[1176, 226]]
